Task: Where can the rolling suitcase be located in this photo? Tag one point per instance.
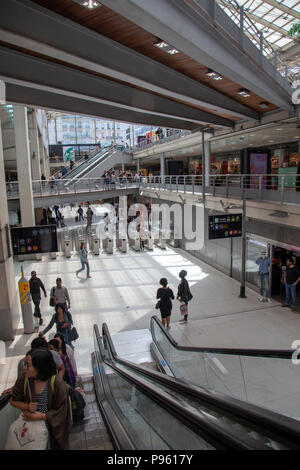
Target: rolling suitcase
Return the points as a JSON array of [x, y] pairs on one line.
[[76, 218]]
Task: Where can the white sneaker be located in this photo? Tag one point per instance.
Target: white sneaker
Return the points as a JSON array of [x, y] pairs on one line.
[[168, 327], [269, 300]]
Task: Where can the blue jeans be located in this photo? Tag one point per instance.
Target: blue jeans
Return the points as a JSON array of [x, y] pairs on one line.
[[264, 279], [290, 289], [84, 264]]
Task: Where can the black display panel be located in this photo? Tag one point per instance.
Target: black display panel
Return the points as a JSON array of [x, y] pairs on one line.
[[225, 226], [31, 240]]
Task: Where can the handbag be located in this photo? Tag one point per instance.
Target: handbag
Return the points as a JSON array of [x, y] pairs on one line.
[[27, 435], [52, 301], [183, 309], [158, 304], [73, 334]]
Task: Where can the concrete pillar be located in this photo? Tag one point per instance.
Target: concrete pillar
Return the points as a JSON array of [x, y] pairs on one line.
[[34, 147], [123, 167], [24, 166], [207, 161], [137, 165], [9, 299], [162, 165]]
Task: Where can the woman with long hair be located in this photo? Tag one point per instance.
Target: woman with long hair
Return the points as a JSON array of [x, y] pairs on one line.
[[63, 320], [69, 376]]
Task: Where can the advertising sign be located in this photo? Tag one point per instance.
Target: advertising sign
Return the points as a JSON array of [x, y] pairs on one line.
[[32, 240], [258, 166], [224, 226], [69, 153]]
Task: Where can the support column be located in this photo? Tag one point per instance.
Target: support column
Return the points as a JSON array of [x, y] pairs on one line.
[[162, 165], [34, 147], [138, 165], [9, 299], [24, 166], [207, 161]]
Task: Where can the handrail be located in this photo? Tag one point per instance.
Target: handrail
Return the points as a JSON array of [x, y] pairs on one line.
[[278, 426], [221, 436], [279, 353]]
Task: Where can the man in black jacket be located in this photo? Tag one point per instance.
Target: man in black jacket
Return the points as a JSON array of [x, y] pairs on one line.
[[184, 294], [36, 285]]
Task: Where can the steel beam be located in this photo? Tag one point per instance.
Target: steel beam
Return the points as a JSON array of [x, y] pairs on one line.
[[27, 25], [17, 67], [48, 99], [181, 24]]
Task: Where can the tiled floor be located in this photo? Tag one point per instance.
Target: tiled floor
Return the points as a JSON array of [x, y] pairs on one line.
[[91, 434], [122, 293]]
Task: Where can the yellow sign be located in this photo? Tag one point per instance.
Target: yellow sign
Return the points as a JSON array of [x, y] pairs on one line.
[[24, 287]]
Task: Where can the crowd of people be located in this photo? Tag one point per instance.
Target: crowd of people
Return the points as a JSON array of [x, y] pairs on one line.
[[47, 378]]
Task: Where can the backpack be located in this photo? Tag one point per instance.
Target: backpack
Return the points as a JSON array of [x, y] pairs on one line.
[[78, 404]]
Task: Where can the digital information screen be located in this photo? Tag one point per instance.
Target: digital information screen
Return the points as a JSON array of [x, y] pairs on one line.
[[28, 240], [225, 226]]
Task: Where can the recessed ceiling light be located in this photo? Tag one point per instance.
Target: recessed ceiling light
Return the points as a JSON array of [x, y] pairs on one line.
[[296, 137], [213, 75], [165, 47], [271, 141], [244, 93], [279, 129], [264, 105], [91, 4]]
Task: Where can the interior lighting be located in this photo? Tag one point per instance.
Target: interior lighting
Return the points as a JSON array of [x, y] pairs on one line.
[[166, 47], [264, 105], [244, 93], [91, 4], [214, 75]]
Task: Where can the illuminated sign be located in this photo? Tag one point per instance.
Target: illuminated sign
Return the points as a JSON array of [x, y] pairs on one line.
[[225, 226], [34, 239]]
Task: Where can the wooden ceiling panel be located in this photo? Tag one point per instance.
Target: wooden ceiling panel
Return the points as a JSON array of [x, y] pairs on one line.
[[112, 25]]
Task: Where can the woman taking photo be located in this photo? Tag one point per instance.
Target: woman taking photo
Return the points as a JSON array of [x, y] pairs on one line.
[[42, 396], [84, 260], [63, 320], [165, 294]]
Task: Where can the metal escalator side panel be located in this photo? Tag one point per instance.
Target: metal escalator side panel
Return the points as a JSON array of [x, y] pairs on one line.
[[277, 427]]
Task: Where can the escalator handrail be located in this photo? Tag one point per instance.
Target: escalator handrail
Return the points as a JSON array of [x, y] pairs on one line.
[[279, 426], [276, 353], [215, 434], [88, 165]]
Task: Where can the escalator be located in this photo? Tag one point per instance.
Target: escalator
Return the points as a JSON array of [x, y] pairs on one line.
[[263, 377], [180, 415], [86, 166]]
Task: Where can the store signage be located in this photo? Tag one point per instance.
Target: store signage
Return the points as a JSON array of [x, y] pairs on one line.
[[69, 154], [224, 226], [32, 240]]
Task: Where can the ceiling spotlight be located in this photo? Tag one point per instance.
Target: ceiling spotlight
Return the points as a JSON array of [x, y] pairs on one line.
[[91, 4], [165, 47], [263, 105], [244, 93], [213, 75]]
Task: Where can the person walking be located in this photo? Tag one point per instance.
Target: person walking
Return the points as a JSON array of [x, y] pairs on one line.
[[291, 279], [35, 285], [62, 318], [184, 295], [84, 260], [165, 296], [89, 218], [80, 214], [60, 294], [264, 264]]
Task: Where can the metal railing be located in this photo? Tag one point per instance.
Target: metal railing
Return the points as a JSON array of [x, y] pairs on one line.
[[248, 28], [144, 145], [277, 188]]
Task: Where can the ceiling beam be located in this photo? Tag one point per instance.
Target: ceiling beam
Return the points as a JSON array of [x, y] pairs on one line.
[[36, 98], [17, 67], [283, 8], [234, 7], [184, 25], [27, 25]]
